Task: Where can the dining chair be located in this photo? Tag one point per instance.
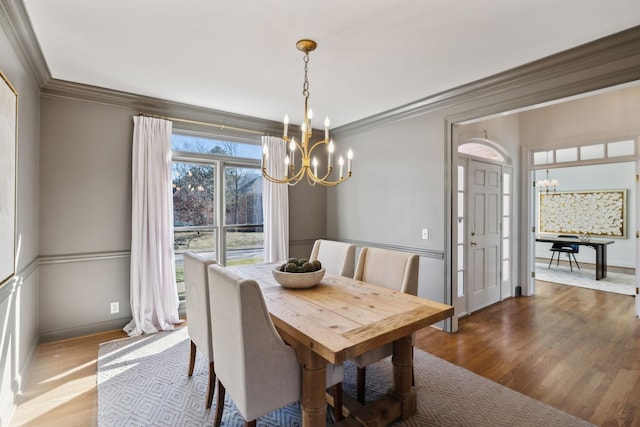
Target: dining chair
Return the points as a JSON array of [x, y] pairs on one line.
[[391, 269], [568, 248], [336, 257], [258, 369], [198, 314]]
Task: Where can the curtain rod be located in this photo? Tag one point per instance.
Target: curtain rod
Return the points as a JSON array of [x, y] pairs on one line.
[[197, 122]]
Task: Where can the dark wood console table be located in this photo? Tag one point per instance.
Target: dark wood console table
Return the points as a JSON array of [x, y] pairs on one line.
[[599, 245]]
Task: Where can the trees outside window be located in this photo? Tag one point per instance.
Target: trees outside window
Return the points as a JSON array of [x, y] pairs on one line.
[[217, 200]]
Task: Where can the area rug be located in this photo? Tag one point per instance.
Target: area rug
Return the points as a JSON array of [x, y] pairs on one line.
[[142, 381], [614, 282]]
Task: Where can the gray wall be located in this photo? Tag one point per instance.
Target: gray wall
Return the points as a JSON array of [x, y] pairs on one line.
[[19, 296], [85, 226], [396, 190], [85, 203]]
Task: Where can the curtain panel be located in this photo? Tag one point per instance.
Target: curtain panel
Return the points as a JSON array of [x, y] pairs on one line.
[[275, 203], [153, 293]]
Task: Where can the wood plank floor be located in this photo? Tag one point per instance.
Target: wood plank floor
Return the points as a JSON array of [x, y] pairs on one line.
[[575, 349], [572, 348]]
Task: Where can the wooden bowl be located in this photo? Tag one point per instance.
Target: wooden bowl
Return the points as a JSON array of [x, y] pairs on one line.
[[298, 280]]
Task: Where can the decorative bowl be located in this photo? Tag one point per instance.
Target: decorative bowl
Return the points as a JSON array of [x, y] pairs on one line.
[[298, 280]]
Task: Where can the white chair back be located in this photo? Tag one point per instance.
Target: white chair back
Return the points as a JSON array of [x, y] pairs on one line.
[[197, 301], [336, 257], [391, 269], [258, 369]]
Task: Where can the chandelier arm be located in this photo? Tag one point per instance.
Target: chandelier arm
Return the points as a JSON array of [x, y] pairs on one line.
[[289, 181], [325, 176], [333, 183], [272, 179], [315, 144]]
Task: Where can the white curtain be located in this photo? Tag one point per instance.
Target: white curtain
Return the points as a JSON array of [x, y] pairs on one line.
[[275, 203], [153, 293]]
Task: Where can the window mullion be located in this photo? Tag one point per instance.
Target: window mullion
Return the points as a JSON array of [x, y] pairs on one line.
[[220, 210]]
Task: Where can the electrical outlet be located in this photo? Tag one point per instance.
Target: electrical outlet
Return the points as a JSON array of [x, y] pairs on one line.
[[115, 307], [425, 233]]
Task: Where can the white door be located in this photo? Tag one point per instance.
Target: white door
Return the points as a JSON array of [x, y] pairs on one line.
[[484, 235]]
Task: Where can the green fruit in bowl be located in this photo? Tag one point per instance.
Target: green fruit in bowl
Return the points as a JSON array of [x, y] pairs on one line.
[[291, 268], [307, 267], [302, 265]]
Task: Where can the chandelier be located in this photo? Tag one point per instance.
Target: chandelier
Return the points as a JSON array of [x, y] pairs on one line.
[[309, 163], [546, 183]]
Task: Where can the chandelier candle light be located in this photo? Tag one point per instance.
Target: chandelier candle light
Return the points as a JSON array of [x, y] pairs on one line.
[[308, 165]]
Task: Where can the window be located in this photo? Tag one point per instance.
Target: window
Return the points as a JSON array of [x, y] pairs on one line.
[[461, 232], [217, 201], [582, 153], [590, 152], [506, 226], [621, 148], [567, 155], [480, 150]]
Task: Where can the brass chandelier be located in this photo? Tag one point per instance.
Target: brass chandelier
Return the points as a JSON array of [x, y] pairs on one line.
[[308, 165]]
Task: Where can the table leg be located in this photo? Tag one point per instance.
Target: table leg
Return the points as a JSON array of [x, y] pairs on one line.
[[314, 403], [601, 261], [402, 376]]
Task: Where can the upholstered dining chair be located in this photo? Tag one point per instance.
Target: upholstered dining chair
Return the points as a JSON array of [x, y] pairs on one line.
[[258, 369], [198, 314], [568, 248], [336, 257], [390, 269]]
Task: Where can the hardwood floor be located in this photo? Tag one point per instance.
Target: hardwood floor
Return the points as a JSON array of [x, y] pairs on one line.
[[575, 349], [61, 387]]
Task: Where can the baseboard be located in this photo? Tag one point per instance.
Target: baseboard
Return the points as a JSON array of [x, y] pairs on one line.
[[83, 330], [591, 266]]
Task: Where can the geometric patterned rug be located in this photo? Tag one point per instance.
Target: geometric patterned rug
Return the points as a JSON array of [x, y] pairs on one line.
[[618, 283], [142, 381]]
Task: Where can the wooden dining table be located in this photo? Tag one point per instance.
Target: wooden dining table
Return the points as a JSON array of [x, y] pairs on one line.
[[339, 319]]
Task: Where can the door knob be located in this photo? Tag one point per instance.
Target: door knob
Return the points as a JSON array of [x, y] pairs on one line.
[[473, 243]]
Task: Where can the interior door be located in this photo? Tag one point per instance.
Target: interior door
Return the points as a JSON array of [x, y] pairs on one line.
[[483, 249]]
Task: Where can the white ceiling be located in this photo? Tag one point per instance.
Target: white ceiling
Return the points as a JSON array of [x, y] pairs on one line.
[[372, 55]]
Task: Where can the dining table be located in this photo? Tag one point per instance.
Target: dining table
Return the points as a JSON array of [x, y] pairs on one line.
[[341, 318]]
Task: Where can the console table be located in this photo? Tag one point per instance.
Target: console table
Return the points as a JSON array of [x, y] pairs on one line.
[[600, 245]]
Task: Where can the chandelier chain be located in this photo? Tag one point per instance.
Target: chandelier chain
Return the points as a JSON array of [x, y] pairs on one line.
[[305, 85]]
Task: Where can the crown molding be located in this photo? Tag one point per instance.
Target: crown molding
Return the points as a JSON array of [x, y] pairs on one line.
[[160, 107], [606, 62], [17, 25]]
